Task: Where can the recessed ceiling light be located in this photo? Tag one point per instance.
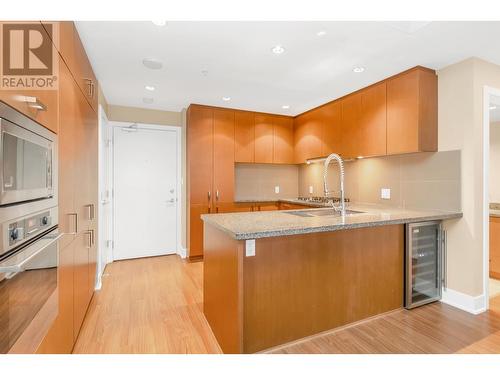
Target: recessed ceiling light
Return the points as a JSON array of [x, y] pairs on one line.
[[147, 100], [226, 98], [493, 107], [286, 106], [278, 49], [321, 33], [150, 88], [152, 63], [160, 23], [358, 69]]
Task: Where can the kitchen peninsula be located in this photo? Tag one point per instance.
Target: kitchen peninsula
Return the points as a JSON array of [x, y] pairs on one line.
[[274, 277]]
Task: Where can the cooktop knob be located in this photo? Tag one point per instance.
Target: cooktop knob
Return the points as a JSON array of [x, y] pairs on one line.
[[14, 234], [45, 220]]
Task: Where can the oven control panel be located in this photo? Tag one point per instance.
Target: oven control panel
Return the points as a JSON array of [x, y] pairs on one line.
[[28, 227]]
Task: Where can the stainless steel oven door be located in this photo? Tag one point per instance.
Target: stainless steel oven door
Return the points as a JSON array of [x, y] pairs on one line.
[[28, 279], [26, 164]]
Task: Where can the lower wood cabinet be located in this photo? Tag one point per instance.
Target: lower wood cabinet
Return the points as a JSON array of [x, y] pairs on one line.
[[495, 247]]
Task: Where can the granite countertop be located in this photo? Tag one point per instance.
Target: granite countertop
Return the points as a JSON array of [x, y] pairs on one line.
[[495, 209], [284, 200], [250, 225]]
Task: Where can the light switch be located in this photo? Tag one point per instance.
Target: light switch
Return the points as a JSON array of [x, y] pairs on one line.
[[250, 248], [385, 193], [277, 189], [311, 190]]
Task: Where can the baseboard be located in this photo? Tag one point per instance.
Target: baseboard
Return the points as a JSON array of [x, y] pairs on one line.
[[474, 305], [182, 252], [98, 285]]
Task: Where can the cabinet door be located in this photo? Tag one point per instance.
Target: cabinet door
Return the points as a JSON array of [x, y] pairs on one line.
[[331, 122], [495, 247], [200, 154], [60, 339], [308, 136], [283, 140], [263, 138], [351, 113], [67, 172], [81, 297], [84, 75], [195, 238], [244, 137], [372, 132], [223, 184], [402, 113]]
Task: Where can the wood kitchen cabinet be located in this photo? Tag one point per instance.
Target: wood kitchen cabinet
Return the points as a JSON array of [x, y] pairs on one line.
[[412, 112], [331, 118], [371, 134], [308, 134], [210, 142], [351, 118], [77, 194], [264, 143], [282, 140], [244, 137], [495, 247], [223, 156], [70, 47]]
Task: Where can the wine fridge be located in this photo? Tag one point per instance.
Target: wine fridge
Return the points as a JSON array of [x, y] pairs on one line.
[[423, 263]]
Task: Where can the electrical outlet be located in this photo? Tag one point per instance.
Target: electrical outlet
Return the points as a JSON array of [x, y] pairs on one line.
[[311, 190], [250, 248], [385, 193], [277, 189]]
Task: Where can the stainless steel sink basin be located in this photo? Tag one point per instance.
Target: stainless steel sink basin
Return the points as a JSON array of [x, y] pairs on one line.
[[322, 212]]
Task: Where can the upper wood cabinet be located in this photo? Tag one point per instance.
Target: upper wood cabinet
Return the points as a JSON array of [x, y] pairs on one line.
[[308, 134], [412, 112], [351, 119], [264, 142], [70, 46], [372, 132], [331, 117], [282, 140], [223, 166], [244, 137]]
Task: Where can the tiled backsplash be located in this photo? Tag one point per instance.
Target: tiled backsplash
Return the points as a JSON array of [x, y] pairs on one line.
[[425, 180], [258, 181]]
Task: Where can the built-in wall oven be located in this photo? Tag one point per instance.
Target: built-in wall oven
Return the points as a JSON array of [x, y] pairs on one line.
[[28, 228]]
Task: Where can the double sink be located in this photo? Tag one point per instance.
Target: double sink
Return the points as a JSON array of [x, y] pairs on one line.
[[322, 212]]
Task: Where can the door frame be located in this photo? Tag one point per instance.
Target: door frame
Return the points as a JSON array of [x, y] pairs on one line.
[[488, 92], [155, 127]]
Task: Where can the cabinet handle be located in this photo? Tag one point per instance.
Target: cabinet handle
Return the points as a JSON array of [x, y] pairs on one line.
[[91, 211], [34, 102], [89, 239], [217, 195], [75, 216], [90, 83]]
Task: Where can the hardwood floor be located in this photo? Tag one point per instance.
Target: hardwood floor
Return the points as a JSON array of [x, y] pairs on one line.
[[154, 305], [148, 305]]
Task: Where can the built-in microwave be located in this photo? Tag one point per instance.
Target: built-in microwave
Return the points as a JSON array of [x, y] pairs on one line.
[[27, 158]]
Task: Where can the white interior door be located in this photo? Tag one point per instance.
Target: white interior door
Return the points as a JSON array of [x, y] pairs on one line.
[[145, 192]]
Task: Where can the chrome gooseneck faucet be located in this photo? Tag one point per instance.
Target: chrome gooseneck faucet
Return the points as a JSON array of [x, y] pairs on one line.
[[339, 160]]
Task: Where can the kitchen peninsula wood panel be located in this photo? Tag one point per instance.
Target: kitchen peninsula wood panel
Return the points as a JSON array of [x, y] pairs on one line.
[[495, 247], [296, 286]]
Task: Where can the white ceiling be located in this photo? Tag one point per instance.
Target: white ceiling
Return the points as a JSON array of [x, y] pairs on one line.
[[240, 64]]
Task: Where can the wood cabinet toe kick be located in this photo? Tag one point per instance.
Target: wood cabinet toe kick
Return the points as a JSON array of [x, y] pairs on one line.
[[297, 286]]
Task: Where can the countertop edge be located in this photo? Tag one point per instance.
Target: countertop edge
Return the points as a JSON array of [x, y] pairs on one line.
[[329, 228]]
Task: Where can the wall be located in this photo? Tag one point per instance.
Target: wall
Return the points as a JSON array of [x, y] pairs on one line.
[[495, 162], [257, 181], [460, 111], [423, 181]]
